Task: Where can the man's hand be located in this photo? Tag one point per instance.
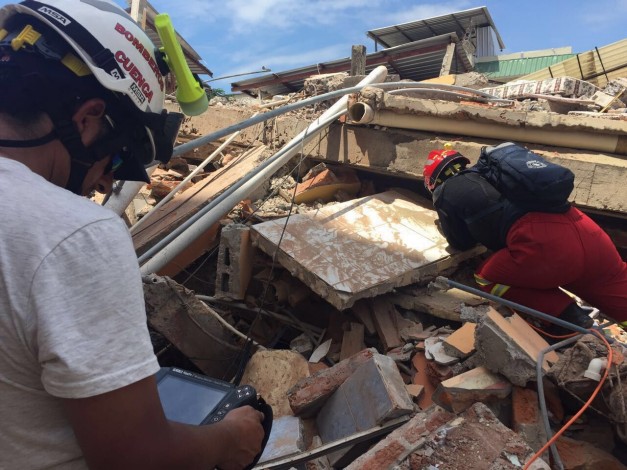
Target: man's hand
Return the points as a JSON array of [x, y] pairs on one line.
[[244, 424], [127, 429]]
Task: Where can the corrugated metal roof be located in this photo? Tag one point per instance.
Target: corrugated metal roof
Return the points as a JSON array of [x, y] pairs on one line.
[[458, 22], [597, 66], [504, 70], [417, 61]]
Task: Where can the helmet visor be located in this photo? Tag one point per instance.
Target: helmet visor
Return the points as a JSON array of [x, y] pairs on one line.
[[146, 145]]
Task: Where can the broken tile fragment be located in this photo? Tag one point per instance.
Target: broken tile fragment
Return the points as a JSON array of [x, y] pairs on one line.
[[461, 343], [460, 392], [421, 377], [434, 350]]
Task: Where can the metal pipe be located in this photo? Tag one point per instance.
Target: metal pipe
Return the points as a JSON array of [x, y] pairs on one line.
[[168, 248], [542, 400], [509, 303]]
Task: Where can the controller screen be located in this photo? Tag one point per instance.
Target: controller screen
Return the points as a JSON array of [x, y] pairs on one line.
[[186, 401]]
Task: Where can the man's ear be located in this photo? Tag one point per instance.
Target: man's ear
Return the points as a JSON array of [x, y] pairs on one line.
[[88, 120]]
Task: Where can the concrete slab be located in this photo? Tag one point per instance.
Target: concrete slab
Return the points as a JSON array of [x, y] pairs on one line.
[[360, 248]]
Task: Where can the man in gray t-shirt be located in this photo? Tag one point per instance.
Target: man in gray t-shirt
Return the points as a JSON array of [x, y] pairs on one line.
[[82, 104]]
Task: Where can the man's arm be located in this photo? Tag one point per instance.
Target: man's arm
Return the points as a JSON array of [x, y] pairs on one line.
[[126, 428]]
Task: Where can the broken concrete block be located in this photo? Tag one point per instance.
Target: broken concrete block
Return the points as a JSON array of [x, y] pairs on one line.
[[286, 438], [438, 439], [307, 396], [510, 347], [460, 392], [302, 344], [373, 394], [434, 350], [272, 374], [235, 262], [461, 343], [526, 419]]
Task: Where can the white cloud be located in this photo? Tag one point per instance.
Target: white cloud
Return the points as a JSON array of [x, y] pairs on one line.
[[605, 12]]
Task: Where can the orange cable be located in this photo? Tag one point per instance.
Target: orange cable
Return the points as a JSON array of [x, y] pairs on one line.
[[585, 406], [544, 333]]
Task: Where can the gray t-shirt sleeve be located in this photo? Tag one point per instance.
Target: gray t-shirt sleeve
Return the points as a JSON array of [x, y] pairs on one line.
[[91, 335]]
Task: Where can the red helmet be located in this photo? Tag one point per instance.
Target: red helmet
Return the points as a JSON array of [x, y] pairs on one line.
[[438, 161]]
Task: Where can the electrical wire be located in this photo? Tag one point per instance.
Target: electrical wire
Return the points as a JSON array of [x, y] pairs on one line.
[[583, 408]]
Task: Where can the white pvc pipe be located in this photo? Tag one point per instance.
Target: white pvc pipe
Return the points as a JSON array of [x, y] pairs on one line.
[[595, 367], [171, 246], [187, 179]]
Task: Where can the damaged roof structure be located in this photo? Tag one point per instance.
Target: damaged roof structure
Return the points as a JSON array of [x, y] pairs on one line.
[[310, 234]]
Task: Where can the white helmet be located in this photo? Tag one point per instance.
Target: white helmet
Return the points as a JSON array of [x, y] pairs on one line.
[[124, 61], [116, 50]]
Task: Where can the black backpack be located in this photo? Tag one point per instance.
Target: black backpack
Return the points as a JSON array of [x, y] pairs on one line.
[[525, 178]]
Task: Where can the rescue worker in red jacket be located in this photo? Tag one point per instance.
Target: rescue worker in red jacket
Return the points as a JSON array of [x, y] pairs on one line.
[[535, 253]]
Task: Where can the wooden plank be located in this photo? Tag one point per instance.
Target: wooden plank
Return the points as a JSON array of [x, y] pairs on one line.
[[441, 304], [385, 320], [363, 312], [184, 205], [353, 340], [358, 60]]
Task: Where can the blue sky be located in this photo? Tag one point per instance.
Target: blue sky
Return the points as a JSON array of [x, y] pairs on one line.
[[236, 36]]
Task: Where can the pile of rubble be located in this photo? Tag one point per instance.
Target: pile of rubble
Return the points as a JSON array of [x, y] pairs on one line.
[[329, 269]]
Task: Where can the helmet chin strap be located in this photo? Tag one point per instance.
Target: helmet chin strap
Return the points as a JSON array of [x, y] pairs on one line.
[[81, 158]]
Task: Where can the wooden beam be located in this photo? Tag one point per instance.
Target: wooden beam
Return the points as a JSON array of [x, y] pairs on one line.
[[358, 60]]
